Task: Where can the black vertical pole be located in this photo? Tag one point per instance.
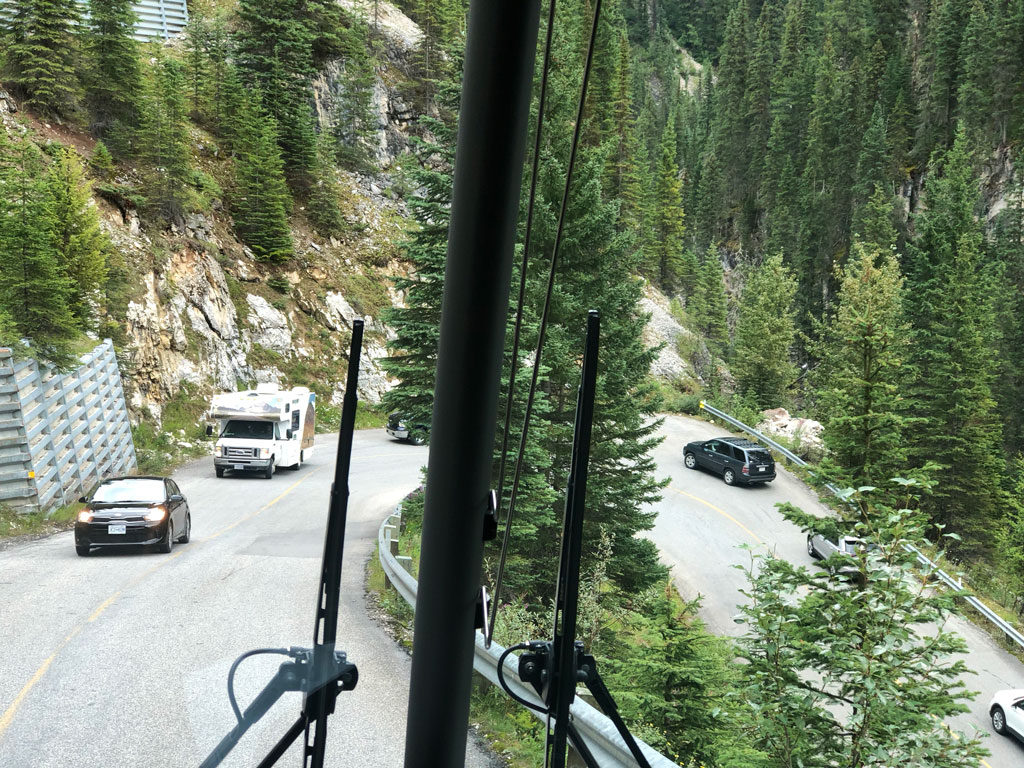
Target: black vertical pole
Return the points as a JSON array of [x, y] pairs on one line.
[[568, 588], [501, 45]]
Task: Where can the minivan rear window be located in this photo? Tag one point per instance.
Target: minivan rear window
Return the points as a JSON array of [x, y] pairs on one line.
[[760, 457]]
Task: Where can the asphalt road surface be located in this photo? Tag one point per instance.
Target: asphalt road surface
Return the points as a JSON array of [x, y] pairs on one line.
[[121, 659], [701, 530]]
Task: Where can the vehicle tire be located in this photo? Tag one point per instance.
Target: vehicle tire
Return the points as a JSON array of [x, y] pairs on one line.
[[82, 551], [690, 461], [269, 471], [416, 438], [167, 544], [998, 720], [729, 477], [810, 548], [184, 538], [220, 471]]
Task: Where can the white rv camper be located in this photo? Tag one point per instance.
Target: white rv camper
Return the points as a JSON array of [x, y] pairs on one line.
[[262, 429]]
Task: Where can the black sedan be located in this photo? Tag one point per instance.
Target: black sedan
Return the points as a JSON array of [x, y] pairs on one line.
[[133, 511]]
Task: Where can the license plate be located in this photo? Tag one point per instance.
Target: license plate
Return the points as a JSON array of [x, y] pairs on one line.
[[116, 528], [238, 466], [762, 468]]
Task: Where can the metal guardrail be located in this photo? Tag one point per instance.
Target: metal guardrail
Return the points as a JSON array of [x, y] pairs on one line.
[[596, 729], [1009, 631], [60, 434]]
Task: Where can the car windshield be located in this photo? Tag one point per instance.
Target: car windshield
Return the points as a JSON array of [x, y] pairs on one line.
[[131, 489], [257, 430]]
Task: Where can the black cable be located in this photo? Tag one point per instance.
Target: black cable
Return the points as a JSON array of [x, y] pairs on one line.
[[501, 677], [519, 316], [547, 305], [234, 666]]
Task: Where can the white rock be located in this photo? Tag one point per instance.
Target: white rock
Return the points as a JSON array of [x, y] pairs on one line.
[[269, 326], [778, 422]]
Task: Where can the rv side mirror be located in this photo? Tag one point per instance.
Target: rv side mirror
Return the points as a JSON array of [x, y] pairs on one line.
[[288, 435], [209, 430]]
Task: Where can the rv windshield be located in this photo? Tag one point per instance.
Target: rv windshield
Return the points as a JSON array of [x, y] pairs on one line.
[[256, 430]]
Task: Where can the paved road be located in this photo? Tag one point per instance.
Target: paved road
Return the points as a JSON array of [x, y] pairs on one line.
[[121, 659], [703, 523]]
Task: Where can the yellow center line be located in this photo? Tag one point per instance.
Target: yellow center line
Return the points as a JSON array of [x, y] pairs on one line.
[[720, 511], [8, 715]]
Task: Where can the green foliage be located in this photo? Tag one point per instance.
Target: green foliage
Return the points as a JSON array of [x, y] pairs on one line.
[[955, 339], [323, 209], [861, 348], [854, 667], [765, 332], [666, 263], [261, 201], [113, 75], [39, 60], [163, 140], [34, 292], [354, 121], [79, 244], [101, 163], [708, 305]]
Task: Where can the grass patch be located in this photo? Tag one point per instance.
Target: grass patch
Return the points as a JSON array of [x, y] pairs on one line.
[[181, 437], [366, 294], [328, 417], [13, 524]]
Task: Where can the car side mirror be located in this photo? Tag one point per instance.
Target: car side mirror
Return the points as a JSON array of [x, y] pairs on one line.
[[82, 500], [288, 434], [209, 430], [176, 497]]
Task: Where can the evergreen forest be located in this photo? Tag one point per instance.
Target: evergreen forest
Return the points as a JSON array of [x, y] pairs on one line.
[[826, 193]]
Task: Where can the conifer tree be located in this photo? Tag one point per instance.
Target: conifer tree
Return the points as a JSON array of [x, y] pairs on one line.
[[765, 331], [261, 203], [163, 141], [942, 60], [114, 74], [666, 250], [101, 163], [354, 121], [712, 305], [1009, 250], [275, 55], [322, 208], [33, 290], [39, 62], [954, 339], [843, 673], [861, 349], [731, 130], [974, 95], [79, 243], [412, 353]]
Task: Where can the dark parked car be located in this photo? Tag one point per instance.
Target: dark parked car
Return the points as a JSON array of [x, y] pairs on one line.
[[399, 428], [736, 459], [133, 511]]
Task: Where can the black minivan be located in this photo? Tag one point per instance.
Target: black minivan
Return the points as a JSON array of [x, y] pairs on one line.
[[736, 459]]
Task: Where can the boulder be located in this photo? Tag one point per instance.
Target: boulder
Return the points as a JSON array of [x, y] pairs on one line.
[[269, 325]]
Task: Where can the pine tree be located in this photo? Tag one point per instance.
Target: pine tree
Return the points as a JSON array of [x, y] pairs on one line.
[[954, 343], [261, 202], [412, 353], [275, 56], [861, 349], [1009, 251], [713, 319], [33, 290], [39, 63], [163, 140], [765, 331], [666, 250], [79, 243], [101, 163], [354, 121], [839, 670], [947, 21], [113, 75], [731, 124], [322, 208], [974, 95]]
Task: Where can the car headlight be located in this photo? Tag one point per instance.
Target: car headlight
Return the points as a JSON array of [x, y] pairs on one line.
[[85, 516], [155, 515], [264, 453], [217, 450]]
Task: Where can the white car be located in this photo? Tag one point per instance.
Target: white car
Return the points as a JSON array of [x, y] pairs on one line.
[[1007, 712]]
